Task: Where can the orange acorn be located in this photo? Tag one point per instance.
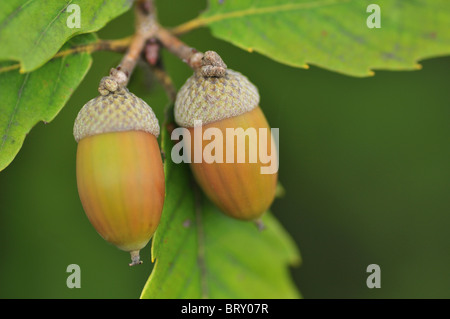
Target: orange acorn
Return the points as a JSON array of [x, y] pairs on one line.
[[228, 104], [120, 174]]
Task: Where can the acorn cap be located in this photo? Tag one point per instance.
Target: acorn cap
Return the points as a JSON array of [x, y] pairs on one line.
[[115, 112], [211, 99]]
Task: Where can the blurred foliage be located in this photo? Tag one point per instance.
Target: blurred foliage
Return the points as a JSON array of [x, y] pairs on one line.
[[364, 163]]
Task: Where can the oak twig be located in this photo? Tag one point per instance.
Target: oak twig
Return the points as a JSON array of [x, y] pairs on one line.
[[209, 64], [146, 27], [148, 30], [118, 45], [177, 47]]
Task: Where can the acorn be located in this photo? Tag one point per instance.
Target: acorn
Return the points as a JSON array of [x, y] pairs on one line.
[[225, 99], [119, 167]]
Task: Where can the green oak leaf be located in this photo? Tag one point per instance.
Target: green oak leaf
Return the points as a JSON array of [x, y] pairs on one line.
[[26, 99], [201, 253], [333, 34], [32, 31]]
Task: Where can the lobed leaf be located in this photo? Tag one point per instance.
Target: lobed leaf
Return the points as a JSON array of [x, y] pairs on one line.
[[26, 99], [333, 34]]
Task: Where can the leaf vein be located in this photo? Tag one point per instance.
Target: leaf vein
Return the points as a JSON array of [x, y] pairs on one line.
[[42, 34], [14, 13], [206, 20], [52, 96], [201, 242], [13, 115]]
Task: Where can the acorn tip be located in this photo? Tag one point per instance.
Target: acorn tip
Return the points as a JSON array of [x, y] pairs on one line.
[[260, 224], [135, 258]]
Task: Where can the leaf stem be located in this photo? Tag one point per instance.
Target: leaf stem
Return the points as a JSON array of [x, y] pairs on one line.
[[10, 67], [117, 45], [189, 26], [206, 20]]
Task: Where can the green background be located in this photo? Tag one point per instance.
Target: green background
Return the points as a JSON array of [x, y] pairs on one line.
[[365, 164]]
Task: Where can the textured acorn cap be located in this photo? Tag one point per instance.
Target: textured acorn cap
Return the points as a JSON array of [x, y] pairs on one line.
[[115, 112], [211, 99]]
